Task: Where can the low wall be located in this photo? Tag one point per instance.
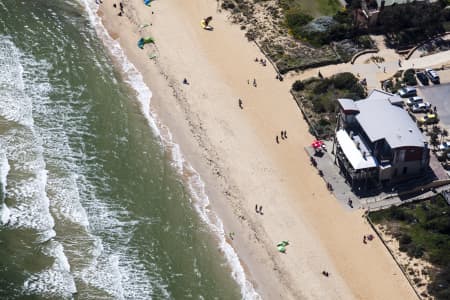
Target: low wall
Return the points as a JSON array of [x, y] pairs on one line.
[[410, 53], [358, 54], [300, 105]]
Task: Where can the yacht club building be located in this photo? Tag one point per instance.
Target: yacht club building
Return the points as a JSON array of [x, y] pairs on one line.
[[377, 142]]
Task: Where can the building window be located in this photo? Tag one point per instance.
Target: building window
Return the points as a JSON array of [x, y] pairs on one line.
[[405, 169]]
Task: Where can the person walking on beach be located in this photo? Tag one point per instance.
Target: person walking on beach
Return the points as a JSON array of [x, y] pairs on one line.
[[240, 104], [285, 134], [276, 139], [260, 210], [254, 82], [282, 134], [256, 208]]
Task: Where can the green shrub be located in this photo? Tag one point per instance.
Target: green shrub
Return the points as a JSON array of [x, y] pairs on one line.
[[409, 77], [344, 80], [405, 239], [423, 230], [399, 214], [365, 41], [296, 18], [440, 285], [324, 122], [415, 251], [298, 86], [318, 106], [322, 86]]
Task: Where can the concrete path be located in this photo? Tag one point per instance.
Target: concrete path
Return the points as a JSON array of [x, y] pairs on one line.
[[377, 72]]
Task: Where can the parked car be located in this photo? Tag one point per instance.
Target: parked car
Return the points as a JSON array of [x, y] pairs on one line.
[[407, 91], [414, 100], [428, 119], [445, 146], [433, 75], [421, 107], [422, 76]]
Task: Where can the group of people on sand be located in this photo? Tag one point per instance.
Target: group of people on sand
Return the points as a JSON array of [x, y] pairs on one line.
[[254, 82], [367, 238], [262, 61], [121, 12], [283, 136], [258, 209]]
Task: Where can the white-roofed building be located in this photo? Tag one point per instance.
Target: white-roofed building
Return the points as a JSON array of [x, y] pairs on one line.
[[378, 142]]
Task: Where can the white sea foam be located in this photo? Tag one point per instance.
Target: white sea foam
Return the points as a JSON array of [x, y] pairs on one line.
[[4, 170], [5, 214], [22, 146], [195, 183], [51, 280]]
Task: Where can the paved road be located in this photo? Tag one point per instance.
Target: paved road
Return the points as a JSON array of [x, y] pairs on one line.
[[438, 96]]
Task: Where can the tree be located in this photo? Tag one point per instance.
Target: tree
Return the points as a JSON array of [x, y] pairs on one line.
[[298, 85], [434, 139], [436, 130]]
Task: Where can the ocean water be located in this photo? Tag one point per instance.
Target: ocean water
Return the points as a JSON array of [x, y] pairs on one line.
[[93, 202]]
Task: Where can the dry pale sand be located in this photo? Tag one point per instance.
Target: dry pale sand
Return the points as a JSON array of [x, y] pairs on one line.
[[235, 152]]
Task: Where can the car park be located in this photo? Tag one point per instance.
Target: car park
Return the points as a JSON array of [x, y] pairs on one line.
[[414, 100], [421, 107], [422, 76], [428, 119], [433, 75], [407, 91]]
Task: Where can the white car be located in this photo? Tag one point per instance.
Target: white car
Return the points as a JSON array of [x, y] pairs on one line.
[[445, 146], [407, 91], [433, 75], [414, 100], [421, 107]]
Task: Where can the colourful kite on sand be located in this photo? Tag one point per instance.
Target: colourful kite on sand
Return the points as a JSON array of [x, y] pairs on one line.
[[144, 41]]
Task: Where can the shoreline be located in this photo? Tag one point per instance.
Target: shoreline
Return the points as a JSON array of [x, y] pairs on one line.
[[235, 179], [190, 176]]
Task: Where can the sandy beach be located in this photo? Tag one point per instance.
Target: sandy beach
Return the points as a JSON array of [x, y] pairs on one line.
[[239, 160]]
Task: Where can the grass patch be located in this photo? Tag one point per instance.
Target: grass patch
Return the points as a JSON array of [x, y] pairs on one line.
[[314, 8], [423, 230]]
